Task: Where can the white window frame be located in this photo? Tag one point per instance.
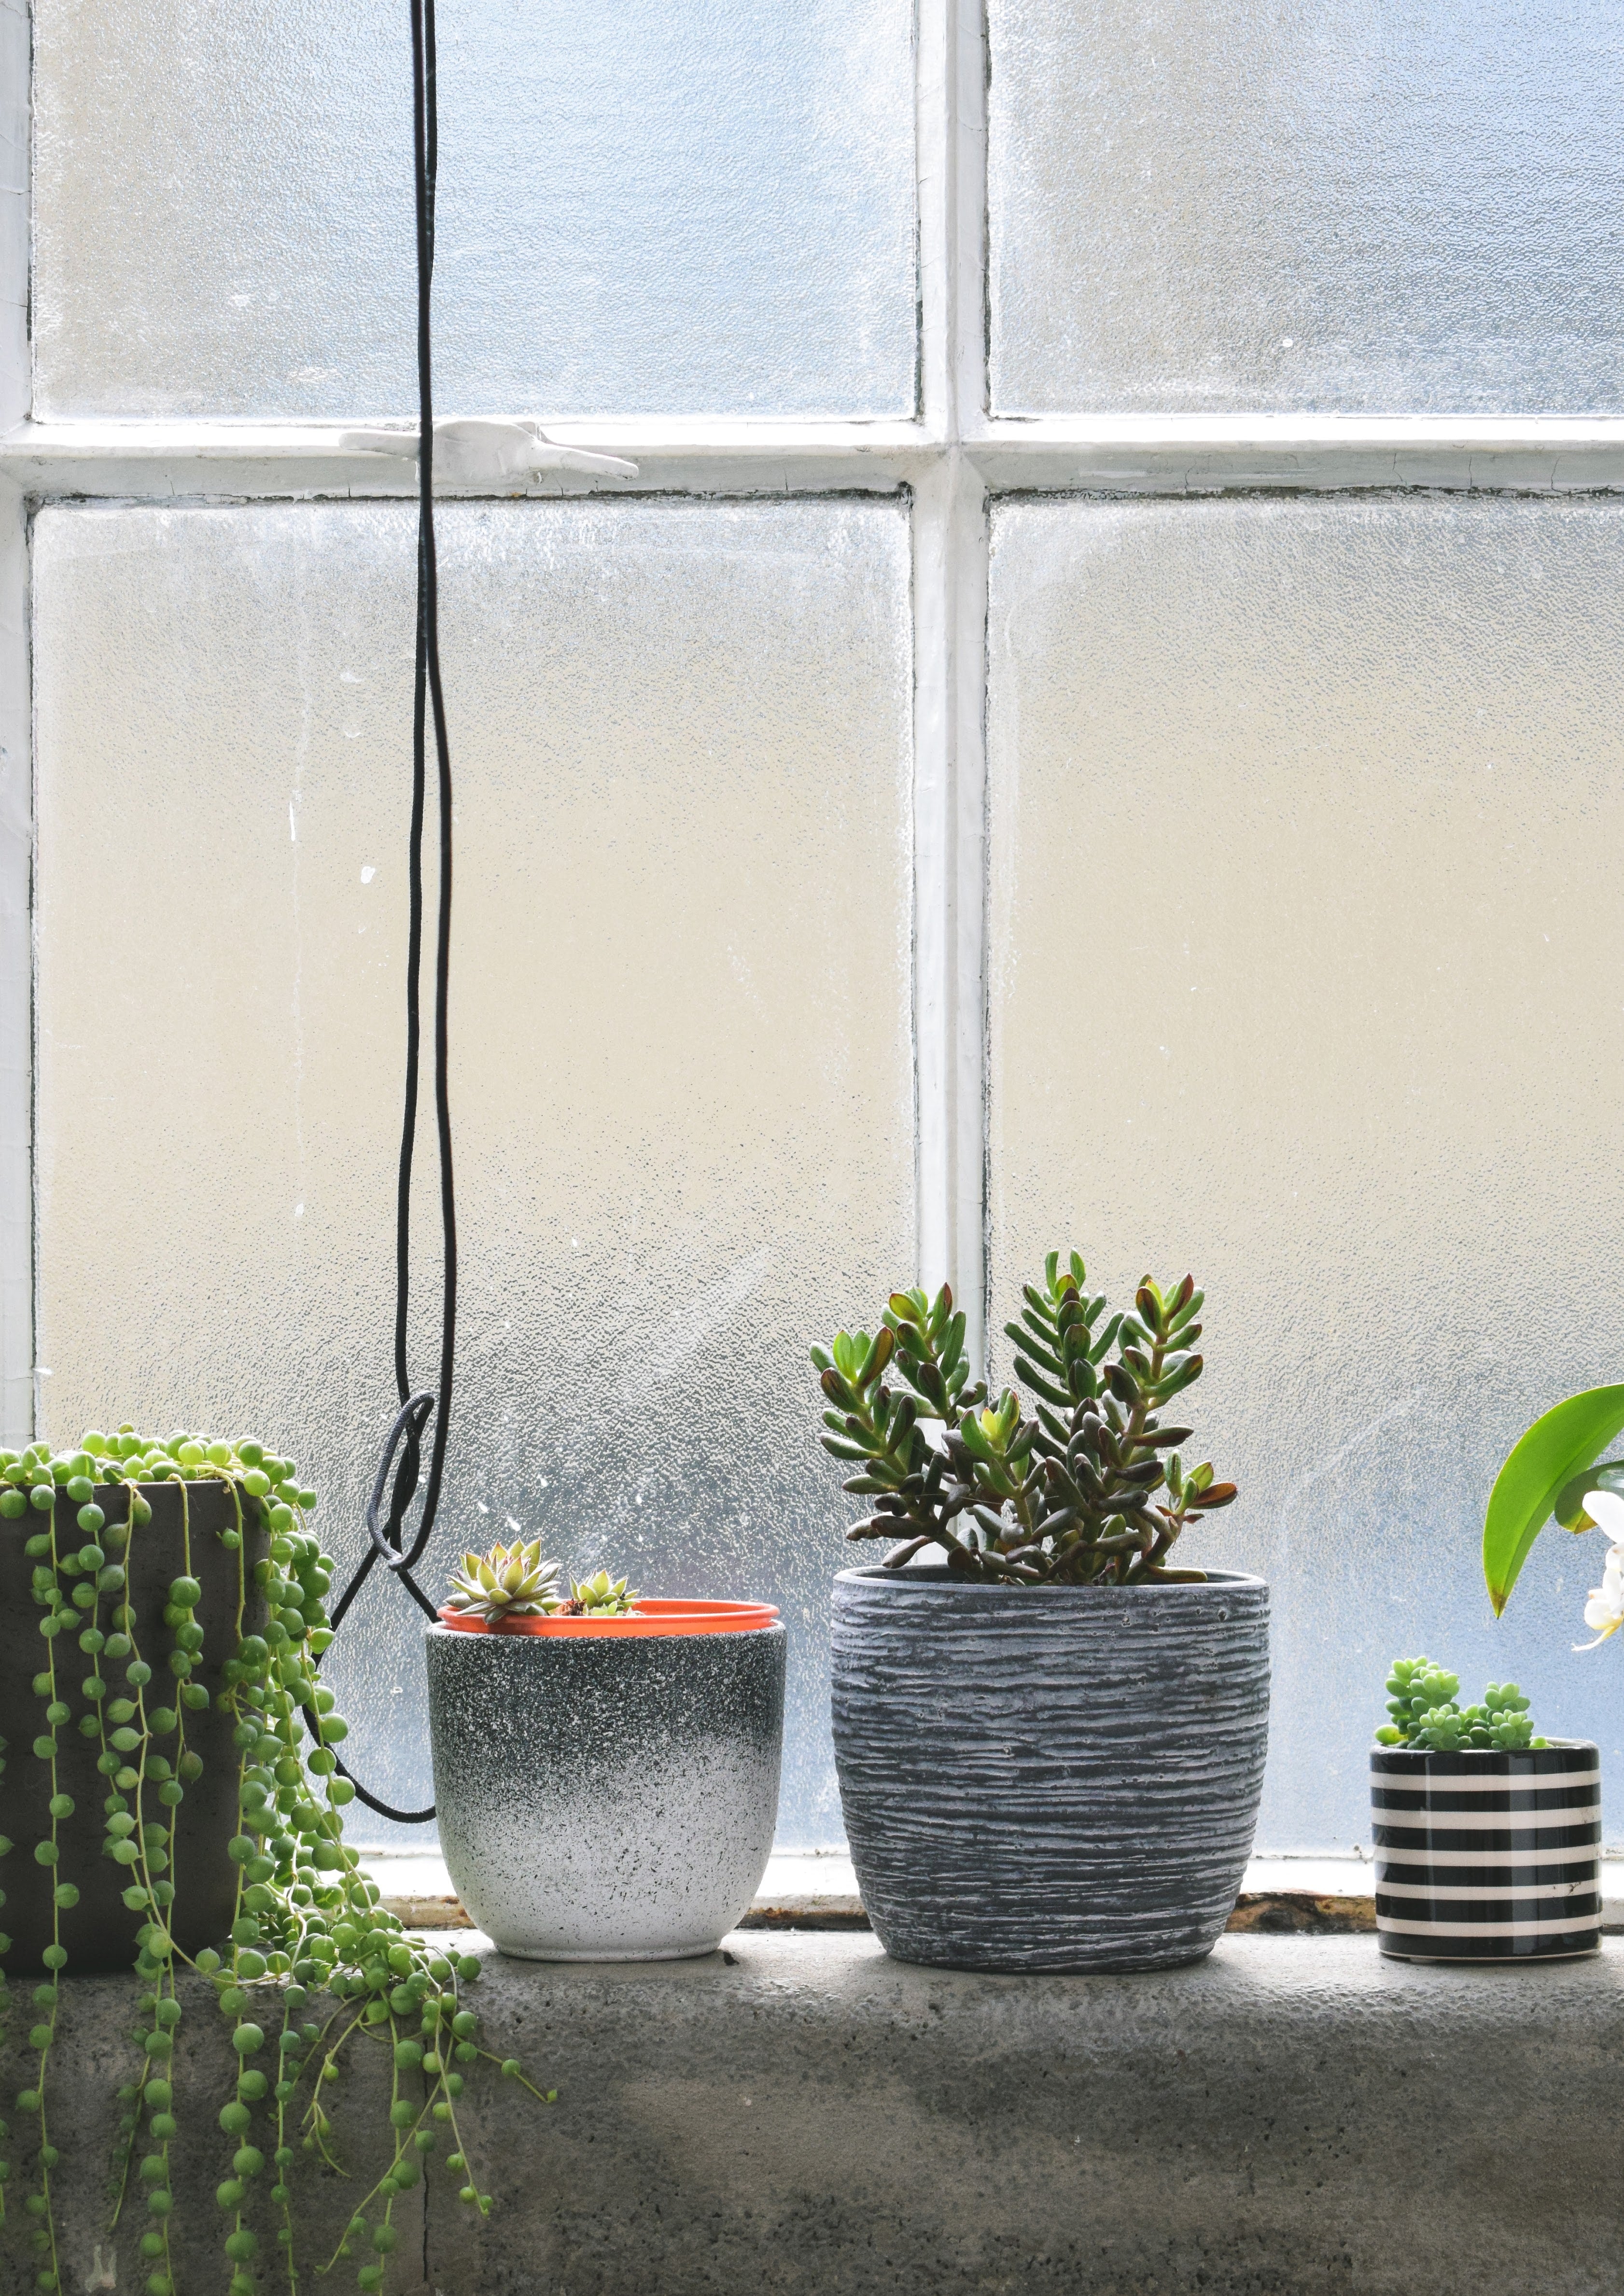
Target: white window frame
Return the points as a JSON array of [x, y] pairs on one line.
[[950, 463]]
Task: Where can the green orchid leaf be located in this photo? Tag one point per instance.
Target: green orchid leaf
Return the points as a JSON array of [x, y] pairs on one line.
[[1555, 1451], [1569, 1507]]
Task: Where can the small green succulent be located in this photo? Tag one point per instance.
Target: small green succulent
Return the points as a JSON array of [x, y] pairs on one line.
[[507, 1582], [600, 1597], [1422, 1699]]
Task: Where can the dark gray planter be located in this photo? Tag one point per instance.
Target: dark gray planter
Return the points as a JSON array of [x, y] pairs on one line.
[[1060, 1778], [605, 1798], [1488, 1856], [99, 1932]]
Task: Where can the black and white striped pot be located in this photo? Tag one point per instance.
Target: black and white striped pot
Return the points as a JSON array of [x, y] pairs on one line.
[[1049, 1777], [1488, 1857]]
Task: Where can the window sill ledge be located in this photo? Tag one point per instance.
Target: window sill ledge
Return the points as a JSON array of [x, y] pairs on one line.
[[1292, 2114], [1326, 1896], [799, 2113]]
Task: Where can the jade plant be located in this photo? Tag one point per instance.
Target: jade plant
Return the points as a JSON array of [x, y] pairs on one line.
[[308, 1923], [1089, 1489], [1421, 1700], [514, 1582]]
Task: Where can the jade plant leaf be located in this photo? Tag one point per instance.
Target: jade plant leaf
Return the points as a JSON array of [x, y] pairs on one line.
[[1554, 1452]]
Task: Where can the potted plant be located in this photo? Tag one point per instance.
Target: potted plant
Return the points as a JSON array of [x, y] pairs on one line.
[[1487, 1838], [1552, 1477], [605, 1765], [172, 1798], [1050, 1742]]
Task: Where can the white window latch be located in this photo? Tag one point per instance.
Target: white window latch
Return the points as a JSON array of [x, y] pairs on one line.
[[476, 450]]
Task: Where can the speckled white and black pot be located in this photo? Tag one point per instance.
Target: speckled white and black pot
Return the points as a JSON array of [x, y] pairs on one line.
[[1055, 1777], [604, 1799]]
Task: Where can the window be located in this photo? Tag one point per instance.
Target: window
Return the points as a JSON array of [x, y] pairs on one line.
[[1095, 724]]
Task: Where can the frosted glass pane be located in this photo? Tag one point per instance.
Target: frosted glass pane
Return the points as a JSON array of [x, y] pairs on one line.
[[642, 209], [1306, 969], [681, 1020], [1361, 205]]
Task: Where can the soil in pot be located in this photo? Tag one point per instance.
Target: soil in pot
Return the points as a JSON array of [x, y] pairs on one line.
[[1049, 1778], [99, 1932]]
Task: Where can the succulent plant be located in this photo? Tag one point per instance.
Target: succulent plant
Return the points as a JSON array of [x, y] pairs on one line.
[[1421, 1698], [507, 1582], [1067, 1497], [598, 1597]]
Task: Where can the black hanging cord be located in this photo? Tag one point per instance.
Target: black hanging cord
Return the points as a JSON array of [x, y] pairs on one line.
[[386, 1539]]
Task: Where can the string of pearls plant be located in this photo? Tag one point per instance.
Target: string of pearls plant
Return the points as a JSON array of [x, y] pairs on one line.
[[306, 1922]]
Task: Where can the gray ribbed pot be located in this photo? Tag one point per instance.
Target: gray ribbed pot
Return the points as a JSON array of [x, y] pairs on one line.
[[1055, 1777], [606, 1797]]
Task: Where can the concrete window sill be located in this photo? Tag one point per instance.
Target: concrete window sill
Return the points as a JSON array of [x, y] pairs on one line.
[[817, 1890], [797, 2115]]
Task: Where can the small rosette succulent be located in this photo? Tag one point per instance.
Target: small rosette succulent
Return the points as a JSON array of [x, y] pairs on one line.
[[508, 1582], [600, 1597]]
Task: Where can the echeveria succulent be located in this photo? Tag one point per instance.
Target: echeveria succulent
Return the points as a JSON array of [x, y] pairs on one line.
[[601, 1596], [507, 1582]]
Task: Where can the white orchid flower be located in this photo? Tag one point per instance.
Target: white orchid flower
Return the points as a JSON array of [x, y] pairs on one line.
[[1605, 1510], [1604, 1610]]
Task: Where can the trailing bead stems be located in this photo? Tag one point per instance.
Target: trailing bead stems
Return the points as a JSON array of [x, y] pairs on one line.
[[304, 1920]]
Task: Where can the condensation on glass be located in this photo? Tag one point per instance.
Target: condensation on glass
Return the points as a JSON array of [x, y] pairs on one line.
[[1307, 975], [643, 209], [680, 1024], [1362, 206]]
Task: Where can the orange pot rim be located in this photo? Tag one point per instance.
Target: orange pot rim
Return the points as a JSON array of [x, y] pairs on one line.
[[654, 1615]]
